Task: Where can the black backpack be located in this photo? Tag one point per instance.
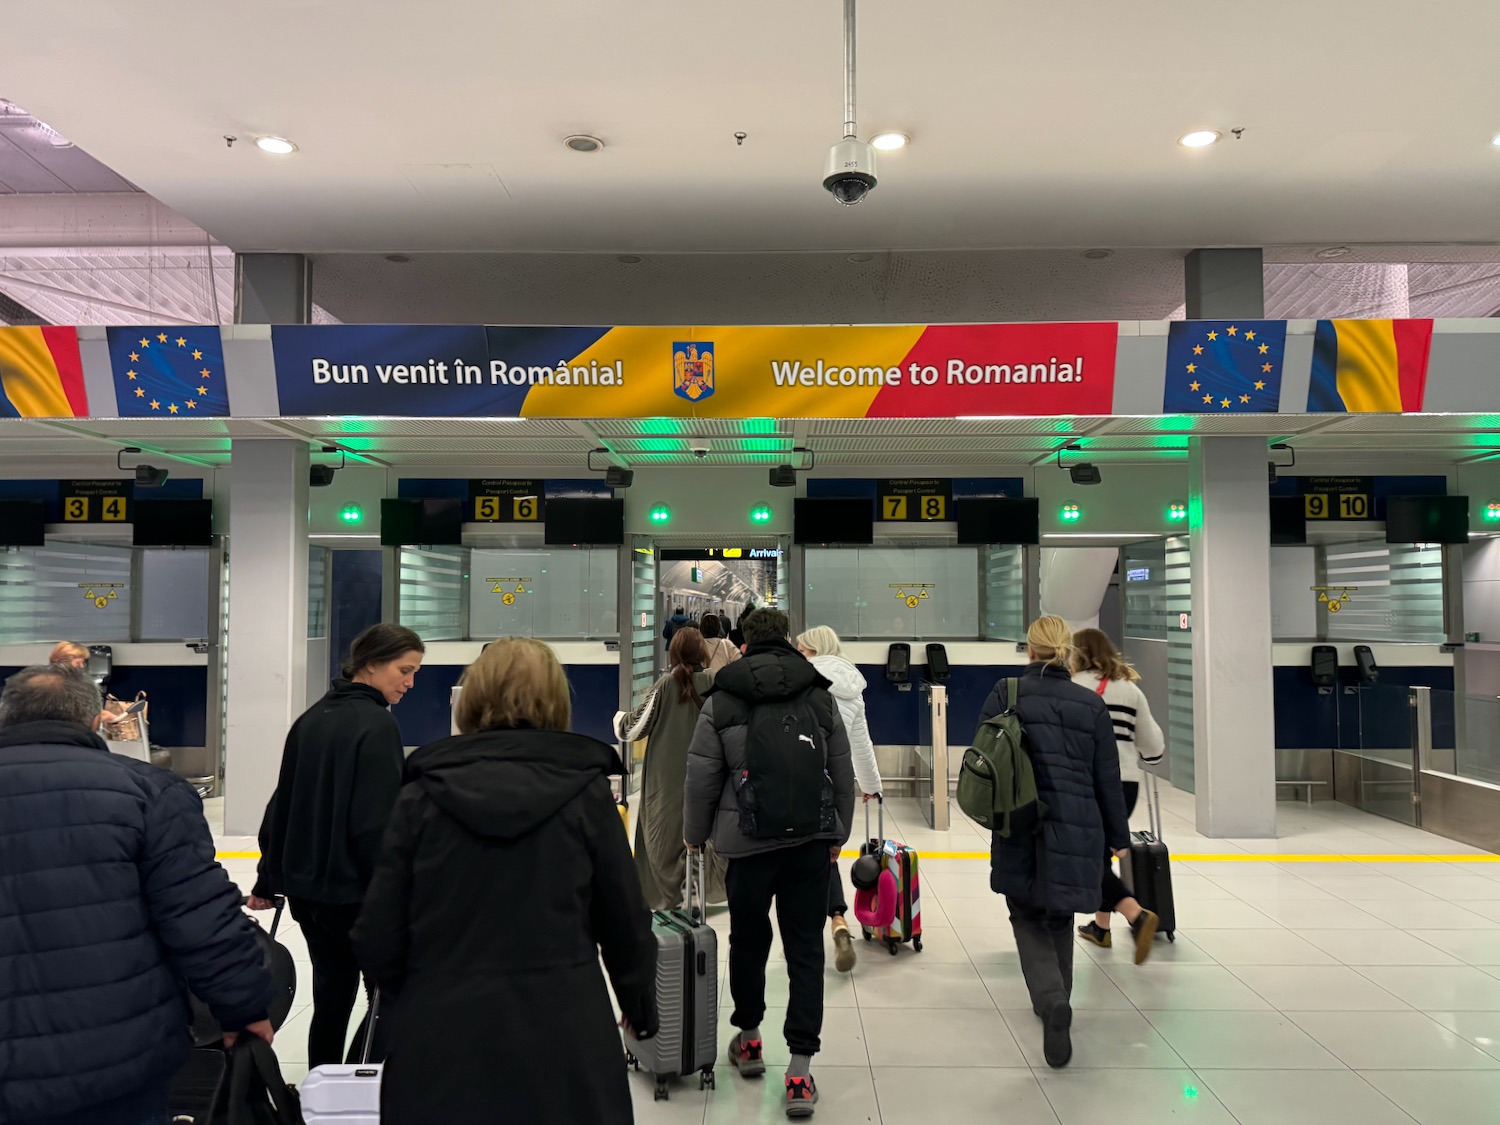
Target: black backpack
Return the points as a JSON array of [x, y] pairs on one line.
[[784, 791]]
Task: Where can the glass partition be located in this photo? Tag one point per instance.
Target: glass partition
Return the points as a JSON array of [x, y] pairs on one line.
[[894, 592], [562, 594], [1380, 770], [1478, 753]]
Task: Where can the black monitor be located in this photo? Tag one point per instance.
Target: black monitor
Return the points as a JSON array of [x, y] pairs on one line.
[[172, 523], [1288, 520], [999, 520], [591, 522], [23, 523], [1427, 519], [427, 523], [820, 520]]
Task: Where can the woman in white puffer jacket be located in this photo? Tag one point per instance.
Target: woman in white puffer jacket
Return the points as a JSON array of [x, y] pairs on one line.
[[820, 645]]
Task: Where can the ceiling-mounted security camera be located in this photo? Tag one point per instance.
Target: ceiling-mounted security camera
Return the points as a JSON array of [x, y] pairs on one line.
[[146, 476], [321, 476], [850, 172], [1081, 472]]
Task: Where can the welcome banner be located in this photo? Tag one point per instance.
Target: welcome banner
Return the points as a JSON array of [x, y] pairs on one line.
[[915, 371]]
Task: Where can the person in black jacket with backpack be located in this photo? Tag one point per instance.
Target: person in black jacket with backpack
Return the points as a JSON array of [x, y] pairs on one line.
[[320, 839], [506, 873], [770, 779], [1049, 875], [110, 901]]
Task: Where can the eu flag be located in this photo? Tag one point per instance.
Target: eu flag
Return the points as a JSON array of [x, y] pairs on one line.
[[1224, 366], [168, 372]]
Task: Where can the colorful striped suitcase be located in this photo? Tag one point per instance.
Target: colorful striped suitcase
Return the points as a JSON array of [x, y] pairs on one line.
[[901, 862]]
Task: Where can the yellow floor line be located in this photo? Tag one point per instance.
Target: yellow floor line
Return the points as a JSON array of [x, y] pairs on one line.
[[1185, 857]]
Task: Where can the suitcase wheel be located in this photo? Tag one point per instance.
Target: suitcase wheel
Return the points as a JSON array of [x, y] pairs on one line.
[[893, 946], [916, 944], [661, 1090], [631, 1061], [869, 936], [1172, 936], [706, 1079]]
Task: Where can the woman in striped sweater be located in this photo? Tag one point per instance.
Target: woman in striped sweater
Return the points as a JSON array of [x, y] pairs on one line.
[[1100, 668]]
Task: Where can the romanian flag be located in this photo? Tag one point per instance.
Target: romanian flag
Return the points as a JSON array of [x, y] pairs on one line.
[[1369, 366], [41, 375]]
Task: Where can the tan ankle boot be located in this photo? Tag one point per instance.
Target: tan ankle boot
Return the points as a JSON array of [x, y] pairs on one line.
[[843, 944]]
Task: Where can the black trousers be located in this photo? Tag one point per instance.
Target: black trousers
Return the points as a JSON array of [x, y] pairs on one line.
[[1113, 891], [1045, 943], [797, 880], [335, 983]]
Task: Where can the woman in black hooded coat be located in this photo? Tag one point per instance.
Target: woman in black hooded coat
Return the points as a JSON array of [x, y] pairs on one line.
[[505, 873]]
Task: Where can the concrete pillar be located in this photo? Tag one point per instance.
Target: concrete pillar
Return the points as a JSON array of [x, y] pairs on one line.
[[1224, 283], [272, 289], [1074, 580], [266, 649], [1230, 559]]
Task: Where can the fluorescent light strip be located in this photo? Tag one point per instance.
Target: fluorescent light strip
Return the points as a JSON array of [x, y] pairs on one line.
[[1105, 535]]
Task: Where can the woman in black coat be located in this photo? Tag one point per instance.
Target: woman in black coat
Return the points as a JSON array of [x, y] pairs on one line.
[[505, 873], [1049, 875]]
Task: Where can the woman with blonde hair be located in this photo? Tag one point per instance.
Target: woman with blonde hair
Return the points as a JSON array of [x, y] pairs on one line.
[[1053, 872], [665, 719], [821, 645], [70, 653], [1099, 667], [505, 873]]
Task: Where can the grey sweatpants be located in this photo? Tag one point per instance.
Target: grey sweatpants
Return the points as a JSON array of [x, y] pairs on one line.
[[1045, 943]]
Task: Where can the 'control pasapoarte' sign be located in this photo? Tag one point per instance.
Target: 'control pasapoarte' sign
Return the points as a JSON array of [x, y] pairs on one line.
[[901, 371]]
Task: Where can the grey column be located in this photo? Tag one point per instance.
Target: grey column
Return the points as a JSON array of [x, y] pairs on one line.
[[1224, 283], [1234, 753], [272, 289]]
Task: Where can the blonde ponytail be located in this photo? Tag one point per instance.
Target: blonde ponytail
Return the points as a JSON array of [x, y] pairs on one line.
[[1051, 640]]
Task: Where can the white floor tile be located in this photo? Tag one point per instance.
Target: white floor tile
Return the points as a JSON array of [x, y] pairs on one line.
[[1144, 1097], [1241, 1041], [1480, 1028], [1222, 914], [1259, 947], [1328, 913], [1425, 915], [1386, 1040], [940, 1037], [1438, 988], [1377, 947], [1101, 1040], [925, 984], [1185, 988], [917, 1096], [1434, 1097], [1183, 951], [1475, 947], [1321, 988], [1301, 1097], [1092, 988]]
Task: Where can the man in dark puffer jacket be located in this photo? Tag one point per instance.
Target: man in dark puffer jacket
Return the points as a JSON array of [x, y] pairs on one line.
[[111, 905]]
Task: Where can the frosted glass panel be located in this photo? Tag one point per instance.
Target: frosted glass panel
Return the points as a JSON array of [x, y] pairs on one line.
[[566, 593], [898, 592], [174, 594], [431, 594], [65, 591]]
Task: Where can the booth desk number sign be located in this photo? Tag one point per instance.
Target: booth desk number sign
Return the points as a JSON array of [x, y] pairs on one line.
[[913, 499], [505, 501], [1337, 498], [96, 501]]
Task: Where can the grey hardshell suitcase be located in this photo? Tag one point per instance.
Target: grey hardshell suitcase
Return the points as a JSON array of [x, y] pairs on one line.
[[687, 991], [1147, 872]]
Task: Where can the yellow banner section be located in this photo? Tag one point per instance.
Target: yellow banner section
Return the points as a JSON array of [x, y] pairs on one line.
[[773, 372]]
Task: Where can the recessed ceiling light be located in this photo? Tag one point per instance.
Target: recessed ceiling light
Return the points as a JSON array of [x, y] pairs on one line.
[[580, 142], [860, 259], [1198, 138], [399, 259], [1097, 255], [1334, 252], [889, 142], [1495, 140], [628, 259], [276, 146]]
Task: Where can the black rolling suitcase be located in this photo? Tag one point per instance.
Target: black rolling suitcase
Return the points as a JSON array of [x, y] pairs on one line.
[[1148, 874]]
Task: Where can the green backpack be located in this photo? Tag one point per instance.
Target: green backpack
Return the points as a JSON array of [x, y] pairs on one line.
[[996, 779]]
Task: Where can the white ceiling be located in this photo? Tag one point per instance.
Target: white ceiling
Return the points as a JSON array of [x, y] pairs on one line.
[[473, 446], [1037, 125]]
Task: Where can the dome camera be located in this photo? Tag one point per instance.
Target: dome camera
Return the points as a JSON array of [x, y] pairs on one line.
[[851, 171]]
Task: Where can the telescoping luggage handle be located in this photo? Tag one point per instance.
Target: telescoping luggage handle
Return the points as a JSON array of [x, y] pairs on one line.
[[879, 797], [367, 1048], [1153, 805], [695, 865]]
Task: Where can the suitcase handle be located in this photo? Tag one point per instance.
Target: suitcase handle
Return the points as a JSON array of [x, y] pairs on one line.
[[701, 869], [880, 798], [367, 1048]]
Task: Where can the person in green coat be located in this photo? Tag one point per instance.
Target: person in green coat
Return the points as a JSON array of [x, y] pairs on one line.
[[666, 720]]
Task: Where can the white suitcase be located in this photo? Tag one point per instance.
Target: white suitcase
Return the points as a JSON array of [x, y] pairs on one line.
[[345, 1093]]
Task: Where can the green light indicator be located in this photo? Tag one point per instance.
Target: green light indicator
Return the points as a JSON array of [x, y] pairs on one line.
[[1190, 1092], [352, 513], [661, 514], [1177, 512], [1492, 512], [1070, 513], [761, 513]]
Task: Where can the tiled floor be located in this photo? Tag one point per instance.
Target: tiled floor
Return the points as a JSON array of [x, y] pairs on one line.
[[1296, 993]]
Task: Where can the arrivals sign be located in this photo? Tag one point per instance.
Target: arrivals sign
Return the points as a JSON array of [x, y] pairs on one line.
[[900, 371]]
